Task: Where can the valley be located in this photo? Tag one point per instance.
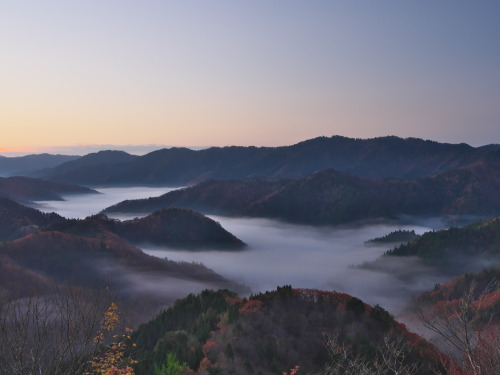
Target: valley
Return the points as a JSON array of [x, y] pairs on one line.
[[370, 246]]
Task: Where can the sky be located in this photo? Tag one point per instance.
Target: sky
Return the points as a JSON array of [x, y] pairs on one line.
[[89, 74]]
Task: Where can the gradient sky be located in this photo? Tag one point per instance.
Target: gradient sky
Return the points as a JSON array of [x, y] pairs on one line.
[[262, 72]]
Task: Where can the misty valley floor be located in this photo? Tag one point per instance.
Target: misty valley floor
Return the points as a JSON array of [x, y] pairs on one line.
[[280, 253]]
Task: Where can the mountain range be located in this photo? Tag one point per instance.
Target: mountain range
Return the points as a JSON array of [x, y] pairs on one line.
[[372, 158]]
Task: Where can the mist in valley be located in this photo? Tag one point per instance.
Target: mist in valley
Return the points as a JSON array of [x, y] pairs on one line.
[[311, 257], [81, 206], [281, 254]]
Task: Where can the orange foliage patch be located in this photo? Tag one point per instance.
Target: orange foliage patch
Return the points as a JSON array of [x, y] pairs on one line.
[[208, 347], [488, 300], [204, 364], [252, 306]]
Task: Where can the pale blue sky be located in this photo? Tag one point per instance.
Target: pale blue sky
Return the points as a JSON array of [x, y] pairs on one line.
[[201, 73]]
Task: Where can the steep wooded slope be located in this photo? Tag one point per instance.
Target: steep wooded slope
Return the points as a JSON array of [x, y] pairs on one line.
[[268, 333]]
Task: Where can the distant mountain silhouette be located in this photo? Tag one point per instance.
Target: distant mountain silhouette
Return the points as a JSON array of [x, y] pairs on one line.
[[85, 164], [333, 197], [23, 165], [374, 158], [490, 147], [25, 189]]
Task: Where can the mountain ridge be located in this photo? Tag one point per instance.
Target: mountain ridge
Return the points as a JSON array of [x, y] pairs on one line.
[[175, 227], [334, 197], [371, 158]]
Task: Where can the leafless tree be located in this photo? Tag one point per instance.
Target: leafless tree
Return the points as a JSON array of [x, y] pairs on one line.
[[51, 333], [467, 331], [391, 359]]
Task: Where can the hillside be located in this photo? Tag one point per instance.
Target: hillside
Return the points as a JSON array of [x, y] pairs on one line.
[[444, 253], [16, 220], [461, 317], [141, 282], [225, 197], [484, 284], [333, 197], [168, 227], [373, 158], [23, 189], [217, 332], [18, 281], [478, 240]]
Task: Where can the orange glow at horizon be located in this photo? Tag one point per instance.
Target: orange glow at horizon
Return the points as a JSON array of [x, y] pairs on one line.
[[220, 75], [17, 149]]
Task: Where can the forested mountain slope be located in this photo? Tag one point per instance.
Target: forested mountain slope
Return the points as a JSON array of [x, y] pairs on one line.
[[333, 197], [17, 220], [217, 332], [176, 227], [142, 283]]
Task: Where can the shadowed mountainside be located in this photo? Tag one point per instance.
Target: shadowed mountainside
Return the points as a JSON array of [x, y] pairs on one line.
[[168, 227], [481, 239], [95, 160], [450, 252], [374, 158], [332, 197], [142, 282], [17, 220], [484, 284]]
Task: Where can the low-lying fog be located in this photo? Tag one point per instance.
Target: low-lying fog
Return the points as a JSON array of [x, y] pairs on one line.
[[280, 253], [81, 206], [307, 257]]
